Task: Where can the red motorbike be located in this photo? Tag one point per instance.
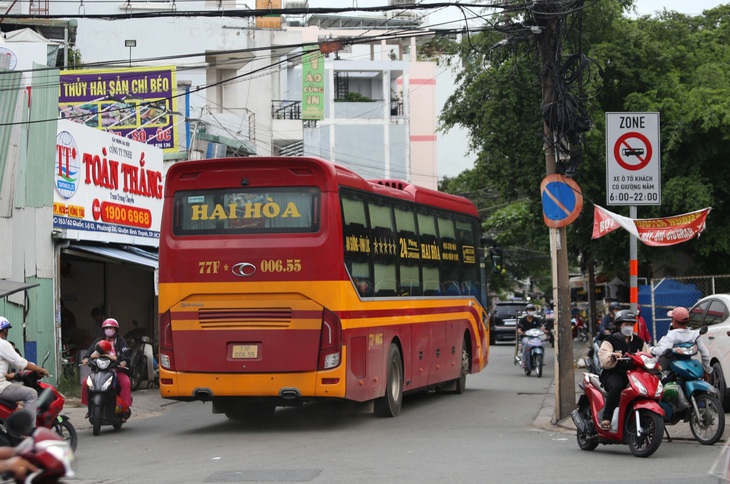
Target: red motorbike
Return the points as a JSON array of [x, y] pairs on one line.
[[43, 448], [48, 415], [640, 422]]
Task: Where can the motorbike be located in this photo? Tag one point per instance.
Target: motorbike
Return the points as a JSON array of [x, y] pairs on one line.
[[105, 405], [536, 343], [579, 329], [141, 362], [48, 415], [688, 398], [43, 448], [592, 363], [639, 418]]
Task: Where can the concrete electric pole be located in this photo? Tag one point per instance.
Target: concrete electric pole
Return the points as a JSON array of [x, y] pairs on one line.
[[564, 372]]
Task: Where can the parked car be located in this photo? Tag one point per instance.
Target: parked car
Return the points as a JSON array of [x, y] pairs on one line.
[[503, 320], [714, 311]]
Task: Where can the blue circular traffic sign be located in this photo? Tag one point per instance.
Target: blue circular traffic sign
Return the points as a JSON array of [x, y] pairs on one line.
[[562, 200]]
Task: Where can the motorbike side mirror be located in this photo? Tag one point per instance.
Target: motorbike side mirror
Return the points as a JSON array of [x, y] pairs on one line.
[[703, 330], [45, 357], [45, 399]]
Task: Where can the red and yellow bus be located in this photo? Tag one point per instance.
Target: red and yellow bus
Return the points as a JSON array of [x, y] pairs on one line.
[[290, 279]]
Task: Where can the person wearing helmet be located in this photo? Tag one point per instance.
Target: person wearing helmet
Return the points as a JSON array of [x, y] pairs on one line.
[[14, 391], [528, 321], [115, 347], [614, 377], [607, 325], [640, 327], [682, 334]]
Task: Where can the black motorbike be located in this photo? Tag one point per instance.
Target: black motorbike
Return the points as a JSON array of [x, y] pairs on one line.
[[141, 362], [105, 406]]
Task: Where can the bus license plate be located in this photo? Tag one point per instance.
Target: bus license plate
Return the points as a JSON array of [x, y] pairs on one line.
[[245, 351]]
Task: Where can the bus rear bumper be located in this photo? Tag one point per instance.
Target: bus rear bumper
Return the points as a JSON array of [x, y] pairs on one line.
[[286, 387]]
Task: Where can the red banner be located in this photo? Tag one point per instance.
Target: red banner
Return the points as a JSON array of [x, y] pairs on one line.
[[657, 232]]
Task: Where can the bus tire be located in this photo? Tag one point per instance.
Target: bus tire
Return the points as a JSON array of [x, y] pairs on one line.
[[460, 383], [390, 404]]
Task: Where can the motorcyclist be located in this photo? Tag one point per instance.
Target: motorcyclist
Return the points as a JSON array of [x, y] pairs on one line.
[[10, 358], [116, 349], [528, 321], [613, 377], [682, 334], [607, 323]]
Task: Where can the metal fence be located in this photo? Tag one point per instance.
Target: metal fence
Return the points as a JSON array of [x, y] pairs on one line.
[[667, 293]]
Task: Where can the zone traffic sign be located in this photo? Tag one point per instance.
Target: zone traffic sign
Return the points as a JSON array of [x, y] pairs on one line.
[[633, 168]]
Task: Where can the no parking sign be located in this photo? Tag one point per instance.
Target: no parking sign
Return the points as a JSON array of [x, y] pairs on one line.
[[633, 168]]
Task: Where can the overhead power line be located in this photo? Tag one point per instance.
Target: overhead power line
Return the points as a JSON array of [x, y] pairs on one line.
[[247, 13]]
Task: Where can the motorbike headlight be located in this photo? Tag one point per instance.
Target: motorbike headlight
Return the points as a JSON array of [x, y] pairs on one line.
[[639, 386], [106, 384], [103, 363], [649, 363], [89, 383], [659, 390]]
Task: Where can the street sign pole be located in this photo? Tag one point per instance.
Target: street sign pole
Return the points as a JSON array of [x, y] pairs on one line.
[[633, 266], [633, 173]]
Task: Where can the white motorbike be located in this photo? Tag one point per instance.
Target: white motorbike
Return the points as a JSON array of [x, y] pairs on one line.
[[535, 341]]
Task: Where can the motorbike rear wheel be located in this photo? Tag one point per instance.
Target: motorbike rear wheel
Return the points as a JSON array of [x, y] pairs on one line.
[[66, 430], [653, 431], [538, 365], [135, 377], [96, 419], [709, 425]]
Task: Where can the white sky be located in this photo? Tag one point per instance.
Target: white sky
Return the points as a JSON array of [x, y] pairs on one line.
[[452, 156]]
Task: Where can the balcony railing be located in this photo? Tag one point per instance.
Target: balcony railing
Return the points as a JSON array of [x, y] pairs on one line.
[[286, 109]]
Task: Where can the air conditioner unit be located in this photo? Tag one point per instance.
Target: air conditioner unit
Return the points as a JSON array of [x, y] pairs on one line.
[[300, 4]]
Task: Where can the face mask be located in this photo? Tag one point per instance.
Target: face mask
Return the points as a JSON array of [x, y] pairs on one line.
[[530, 313], [110, 332], [627, 330]]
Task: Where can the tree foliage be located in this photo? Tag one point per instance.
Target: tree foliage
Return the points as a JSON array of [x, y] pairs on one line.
[[674, 64]]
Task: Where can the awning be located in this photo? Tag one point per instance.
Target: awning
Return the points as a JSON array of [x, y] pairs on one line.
[[133, 255], [11, 287]]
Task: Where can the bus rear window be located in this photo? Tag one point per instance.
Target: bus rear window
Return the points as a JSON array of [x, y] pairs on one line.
[[246, 211]]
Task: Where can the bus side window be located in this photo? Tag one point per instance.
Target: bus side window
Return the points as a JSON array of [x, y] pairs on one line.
[[451, 288], [385, 283]]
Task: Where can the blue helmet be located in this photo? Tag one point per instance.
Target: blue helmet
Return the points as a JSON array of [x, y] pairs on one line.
[[4, 323]]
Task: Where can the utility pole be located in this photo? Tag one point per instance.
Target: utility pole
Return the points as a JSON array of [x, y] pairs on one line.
[[564, 372]]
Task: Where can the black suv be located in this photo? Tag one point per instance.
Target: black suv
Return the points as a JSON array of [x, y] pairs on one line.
[[503, 320]]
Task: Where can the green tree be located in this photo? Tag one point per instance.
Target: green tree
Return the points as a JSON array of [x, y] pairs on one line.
[[675, 64]]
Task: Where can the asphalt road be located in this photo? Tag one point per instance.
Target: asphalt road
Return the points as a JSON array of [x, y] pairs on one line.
[[491, 433]]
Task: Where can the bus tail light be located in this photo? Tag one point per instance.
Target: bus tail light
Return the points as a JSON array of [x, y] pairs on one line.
[[330, 341], [167, 360]]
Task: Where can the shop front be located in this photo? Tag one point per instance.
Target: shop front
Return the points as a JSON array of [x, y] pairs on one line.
[[106, 219]]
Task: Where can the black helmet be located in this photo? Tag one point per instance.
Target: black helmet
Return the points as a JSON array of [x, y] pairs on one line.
[[614, 305], [530, 307], [624, 316]]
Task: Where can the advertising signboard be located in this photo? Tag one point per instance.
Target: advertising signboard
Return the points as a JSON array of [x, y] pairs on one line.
[[135, 103], [106, 187], [312, 84], [633, 167]]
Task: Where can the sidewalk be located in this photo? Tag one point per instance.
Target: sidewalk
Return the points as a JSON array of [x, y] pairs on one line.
[[545, 419], [146, 403]]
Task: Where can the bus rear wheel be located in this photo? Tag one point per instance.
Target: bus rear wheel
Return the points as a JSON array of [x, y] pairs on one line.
[[390, 404]]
